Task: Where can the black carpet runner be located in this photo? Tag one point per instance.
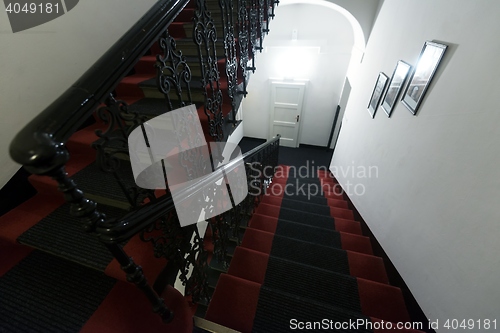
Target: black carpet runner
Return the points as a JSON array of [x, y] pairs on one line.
[[44, 293], [307, 277], [62, 235]]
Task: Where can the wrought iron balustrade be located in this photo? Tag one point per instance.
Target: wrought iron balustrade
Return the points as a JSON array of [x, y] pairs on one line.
[[41, 146]]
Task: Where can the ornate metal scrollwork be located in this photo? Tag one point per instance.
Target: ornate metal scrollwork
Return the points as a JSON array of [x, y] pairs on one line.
[[197, 284], [267, 15], [205, 36], [112, 148], [262, 30], [253, 17], [220, 238], [227, 8], [173, 72], [172, 242], [86, 210], [275, 3], [243, 41]]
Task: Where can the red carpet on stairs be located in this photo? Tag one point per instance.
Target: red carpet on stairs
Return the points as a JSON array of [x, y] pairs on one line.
[[238, 295], [125, 308]]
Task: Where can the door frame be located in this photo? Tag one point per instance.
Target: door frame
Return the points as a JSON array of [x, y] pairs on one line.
[[275, 83]]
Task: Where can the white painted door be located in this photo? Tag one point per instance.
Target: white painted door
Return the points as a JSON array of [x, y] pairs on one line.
[[286, 109]]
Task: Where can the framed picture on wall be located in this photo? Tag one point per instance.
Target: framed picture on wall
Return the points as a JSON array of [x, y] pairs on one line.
[[420, 79], [377, 93], [394, 87]]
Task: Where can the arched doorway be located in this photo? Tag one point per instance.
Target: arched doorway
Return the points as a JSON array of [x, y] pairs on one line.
[[311, 41]]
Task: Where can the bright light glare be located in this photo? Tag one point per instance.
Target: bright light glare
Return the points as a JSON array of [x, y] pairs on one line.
[[294, 62]]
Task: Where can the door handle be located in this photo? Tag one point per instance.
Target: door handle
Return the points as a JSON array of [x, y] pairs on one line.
[[298, 118]]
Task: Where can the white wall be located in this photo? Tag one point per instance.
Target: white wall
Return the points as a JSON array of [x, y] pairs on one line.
[[434, 206], [365, 12], [328, 39], [39, 64]]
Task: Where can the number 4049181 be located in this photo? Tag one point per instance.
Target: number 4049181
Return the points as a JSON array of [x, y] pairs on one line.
[[471, 324], [32, 8]]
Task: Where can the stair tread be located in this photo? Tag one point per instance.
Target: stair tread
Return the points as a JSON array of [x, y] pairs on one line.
[[62, 235], [315, 200], [373, 294], [291, 214], [44, 293], [311, 282], [126, 309], [234, 303], [322, 202], [285, 307], [303, 206], [149, 106], [321, 236], [15, 222], [308, 253], [103, 187]]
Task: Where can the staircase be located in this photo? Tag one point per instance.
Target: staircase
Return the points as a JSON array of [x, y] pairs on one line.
[[170, 76], [297, 257], [303, 259], [56, 277]]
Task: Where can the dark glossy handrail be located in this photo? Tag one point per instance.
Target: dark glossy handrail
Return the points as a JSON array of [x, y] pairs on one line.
[[115, 231], [39, 146]]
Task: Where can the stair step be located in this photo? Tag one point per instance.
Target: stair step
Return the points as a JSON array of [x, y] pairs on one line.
[[129, 86], [367, 266], [44, 293], [15, 222], [189, 27], [177, 30], [150, 107], [356, 243], [108, 190], [258, 240], [321, 236], [382, 301], [261, 240], [150, 90], [63, 235], [146, 65], [11, 254], [45, 223], [303, 206], [312, 283], [276, 200], [234, 303], [283, 312], [339, 203], [186, 15], [323, 219], [270, 224], [291, 214], [247, 306], [249, 264], [126, 309]]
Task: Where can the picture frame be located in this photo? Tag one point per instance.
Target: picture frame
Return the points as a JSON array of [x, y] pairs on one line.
[[378, 92], [395, 86], [428, 62]]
